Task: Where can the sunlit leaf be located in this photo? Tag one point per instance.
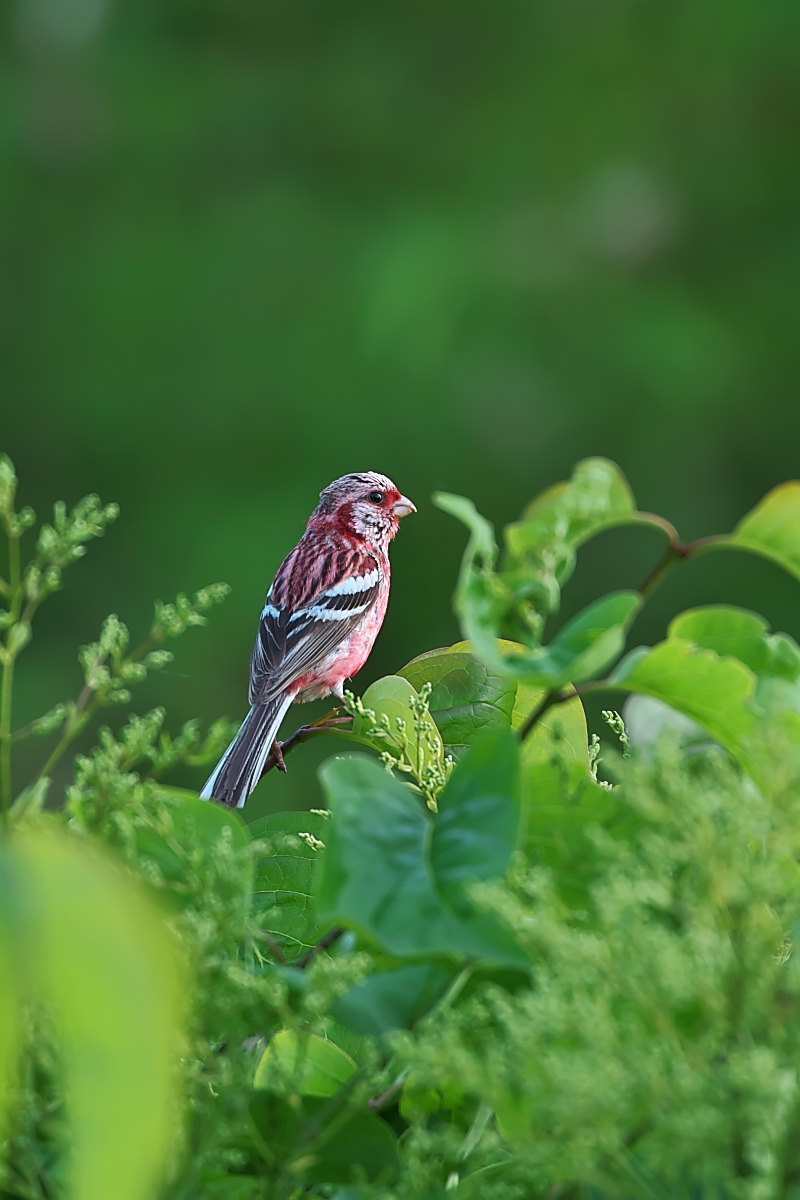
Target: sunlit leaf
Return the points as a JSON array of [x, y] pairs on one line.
[[107, 969], [772, 528], [303, 1064], [716, 692]]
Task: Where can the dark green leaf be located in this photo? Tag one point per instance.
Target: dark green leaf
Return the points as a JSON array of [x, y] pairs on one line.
[[391, 873], [467, 695], [394, 999]]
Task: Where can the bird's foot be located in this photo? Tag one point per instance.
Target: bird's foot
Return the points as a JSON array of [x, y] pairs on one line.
[[277, 754]]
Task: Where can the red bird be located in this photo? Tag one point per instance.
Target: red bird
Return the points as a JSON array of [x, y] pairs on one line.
[[320, 620]]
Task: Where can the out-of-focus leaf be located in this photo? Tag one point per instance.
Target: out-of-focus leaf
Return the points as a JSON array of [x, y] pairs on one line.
[[182, 829], [106, 967], [294, 832], [310, 1140], [560, 733], [716, 692], [306, 1064], [734, 632], [392, 872], [562, 806], [772, 528], [9, 999], [394, 999], [586, 645], [560, 519]]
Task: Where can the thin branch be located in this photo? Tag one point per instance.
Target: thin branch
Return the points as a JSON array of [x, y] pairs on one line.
[[378, 1101], [324, 943], [328, 724]]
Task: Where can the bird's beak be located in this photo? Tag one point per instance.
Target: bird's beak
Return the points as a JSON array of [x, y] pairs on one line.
[[403, 506]]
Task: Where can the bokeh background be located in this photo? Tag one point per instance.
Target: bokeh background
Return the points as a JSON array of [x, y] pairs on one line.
[[247, 247]]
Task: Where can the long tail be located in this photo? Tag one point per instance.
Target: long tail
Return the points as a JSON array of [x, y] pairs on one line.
[[239, 769]]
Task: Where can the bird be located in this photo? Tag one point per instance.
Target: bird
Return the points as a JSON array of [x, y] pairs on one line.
[[319, 622]]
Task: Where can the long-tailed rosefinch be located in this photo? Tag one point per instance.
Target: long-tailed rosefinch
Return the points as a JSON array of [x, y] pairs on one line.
[[320, 620]]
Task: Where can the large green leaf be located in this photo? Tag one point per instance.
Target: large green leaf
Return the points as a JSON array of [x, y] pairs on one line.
[[284, 904], [103, 964], [398, 873], [291, 832], [772, 528], [283, 886], [9, 1000], [561, 733]]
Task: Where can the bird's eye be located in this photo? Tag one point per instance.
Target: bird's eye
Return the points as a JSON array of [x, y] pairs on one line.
[[376, 497]]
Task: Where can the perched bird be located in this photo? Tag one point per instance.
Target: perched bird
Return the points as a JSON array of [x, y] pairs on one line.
[[321, 617]]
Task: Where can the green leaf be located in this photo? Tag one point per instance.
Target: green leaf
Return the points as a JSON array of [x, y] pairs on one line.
[[283, 898], [481, 601], [716, 692], [313, 1141], [396, 872], [563, 805], [560, 519], [9, 1002], [772, 528], [477, 827], [103, 963], [391, 698], [393, 999], [735, 632], [303, 1064]]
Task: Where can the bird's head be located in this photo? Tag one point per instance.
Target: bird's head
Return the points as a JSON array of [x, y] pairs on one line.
[[366, 504]]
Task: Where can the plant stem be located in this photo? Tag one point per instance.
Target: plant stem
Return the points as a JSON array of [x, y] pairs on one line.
[[7, 691]]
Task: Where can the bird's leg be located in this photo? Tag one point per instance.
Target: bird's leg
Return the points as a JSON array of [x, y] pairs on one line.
[[277, 754]]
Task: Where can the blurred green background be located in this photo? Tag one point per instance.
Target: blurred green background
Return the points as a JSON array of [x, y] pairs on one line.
[[248, 247]]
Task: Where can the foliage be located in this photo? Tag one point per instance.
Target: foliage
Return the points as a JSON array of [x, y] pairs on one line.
[[504, 960]]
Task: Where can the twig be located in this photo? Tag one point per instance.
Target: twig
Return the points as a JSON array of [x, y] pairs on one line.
[[305, 733], [378, 1101], [324, 943]]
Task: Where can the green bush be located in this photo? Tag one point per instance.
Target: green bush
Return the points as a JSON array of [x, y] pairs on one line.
[[483, 964]]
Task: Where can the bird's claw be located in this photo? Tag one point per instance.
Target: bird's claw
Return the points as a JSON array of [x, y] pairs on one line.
[[277, 754]]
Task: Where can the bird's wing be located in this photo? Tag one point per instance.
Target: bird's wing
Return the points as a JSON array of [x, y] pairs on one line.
[[292, 639]]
